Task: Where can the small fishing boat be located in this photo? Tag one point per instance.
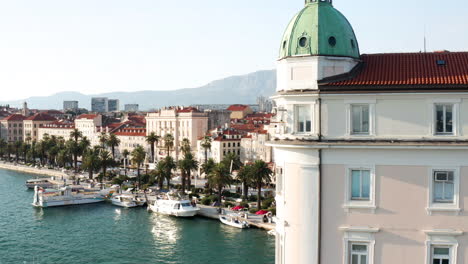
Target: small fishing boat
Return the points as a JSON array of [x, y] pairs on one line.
[[173, 205], [42, 182], [69, 195], [124, 200], [234, 221]]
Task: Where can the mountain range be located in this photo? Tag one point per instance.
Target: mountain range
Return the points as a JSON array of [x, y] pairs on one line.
[[242, 89]]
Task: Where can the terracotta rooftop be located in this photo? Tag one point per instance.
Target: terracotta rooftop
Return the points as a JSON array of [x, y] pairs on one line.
[[408, 70], [237, 107], [15, 117], [187, 110], [131, 131], [41, 117], [87, 116]]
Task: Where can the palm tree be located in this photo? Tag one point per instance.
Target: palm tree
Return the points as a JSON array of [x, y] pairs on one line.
[[168, 143], [17, 149], [152, 139], [75, 134], [206, 145], [186, 165], [244, 176], [103, 139], [208, 166], [169, 166], [125, 154], [91, 162], [74, 148], [219, 178], [112, 142], [232, 161], [159, 173], [261, 174], [185, 147], [105, 160], [3, 146], [138, 157]]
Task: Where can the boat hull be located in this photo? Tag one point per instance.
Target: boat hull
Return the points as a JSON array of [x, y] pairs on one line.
[[176, 213], [45, 204], [124, 204], [228, 221]]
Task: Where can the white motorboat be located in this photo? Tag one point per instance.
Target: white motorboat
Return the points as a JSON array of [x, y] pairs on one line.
[[234, 220], [42, 182], [124, 200], [69, 195], [170, 205]]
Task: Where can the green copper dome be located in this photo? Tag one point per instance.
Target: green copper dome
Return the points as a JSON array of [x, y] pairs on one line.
[[319, 30]]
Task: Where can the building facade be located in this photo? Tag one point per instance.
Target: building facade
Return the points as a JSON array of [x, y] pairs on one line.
[[181, 122], [32, 124], [131, 107], [370, 150], [253, 147], [239, 111], [11, 128], [113, 105], [58, 129], [70, 105], [99, 104]]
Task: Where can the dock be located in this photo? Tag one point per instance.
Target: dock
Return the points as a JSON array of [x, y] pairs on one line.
[[253, 220]]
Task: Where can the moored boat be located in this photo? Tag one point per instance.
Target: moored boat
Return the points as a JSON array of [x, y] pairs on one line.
[[234, 221], [69, 195], [42, 182], [170, 205], [124, 200]]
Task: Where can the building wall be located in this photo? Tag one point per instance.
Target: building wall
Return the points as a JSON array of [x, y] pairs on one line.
[[254, 148], [58, 132], [31, 128], [12, 131]]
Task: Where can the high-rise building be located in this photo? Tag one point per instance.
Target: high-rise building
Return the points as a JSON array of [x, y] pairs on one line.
[[70, 105], [99, 104], [113, 105], [131, 108]]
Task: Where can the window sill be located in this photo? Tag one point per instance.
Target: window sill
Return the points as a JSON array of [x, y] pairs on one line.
[[431, 209], [349, 206]]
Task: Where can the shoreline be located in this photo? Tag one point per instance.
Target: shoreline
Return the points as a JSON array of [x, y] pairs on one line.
[[22, 168]]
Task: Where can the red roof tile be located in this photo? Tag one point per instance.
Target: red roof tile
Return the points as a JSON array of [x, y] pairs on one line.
[[87, 116], [41, 117], [15, 117], [407, 69], [237, 107]]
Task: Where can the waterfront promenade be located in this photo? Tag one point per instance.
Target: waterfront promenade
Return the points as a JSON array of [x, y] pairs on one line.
[[33, 170]]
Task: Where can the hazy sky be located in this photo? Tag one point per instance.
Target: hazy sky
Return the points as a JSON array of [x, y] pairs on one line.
[[95, 46]]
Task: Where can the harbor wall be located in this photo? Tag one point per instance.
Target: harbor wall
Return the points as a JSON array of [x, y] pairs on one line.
[[26, 169]]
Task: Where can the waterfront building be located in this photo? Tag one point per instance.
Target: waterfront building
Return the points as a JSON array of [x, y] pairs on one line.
[[99, 104], [239, 111], [11, 128], [113, 105], [130, 138], [32, 124], [224, 141], [57, 128], [70, 105], [253, 147], [370, 150], [131, 107], [90, 126], [181, 122]]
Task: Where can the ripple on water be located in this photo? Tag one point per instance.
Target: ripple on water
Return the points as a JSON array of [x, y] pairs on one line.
[[102, 233]]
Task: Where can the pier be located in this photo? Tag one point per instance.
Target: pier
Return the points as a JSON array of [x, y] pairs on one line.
[[253, 220]]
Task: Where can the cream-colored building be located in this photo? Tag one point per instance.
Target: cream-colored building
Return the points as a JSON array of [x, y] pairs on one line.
[[90, 125], [223, 142], [11, 128], [181, 122], [31, 125], [130, 138], [57, 129], [371, 151], [253, 147], [239, 111]]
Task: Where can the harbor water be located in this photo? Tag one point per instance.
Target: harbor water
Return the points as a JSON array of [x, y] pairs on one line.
[[103, 233]]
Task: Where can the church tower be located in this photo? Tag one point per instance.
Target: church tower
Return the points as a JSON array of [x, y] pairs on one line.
[[25, 110]]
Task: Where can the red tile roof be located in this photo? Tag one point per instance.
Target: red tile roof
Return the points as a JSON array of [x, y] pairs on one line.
[[41, 117], [187, 110], [87, 116], [406, 69], [15, 117], [237, 107], [131, 131]]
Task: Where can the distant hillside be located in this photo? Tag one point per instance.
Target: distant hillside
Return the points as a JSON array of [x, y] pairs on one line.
[[236, 89]]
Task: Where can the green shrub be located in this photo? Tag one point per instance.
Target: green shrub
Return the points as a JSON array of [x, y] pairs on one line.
[[252, 198], [252, 210], [228, 204], [272, 210], [267, 203], [206, 201]]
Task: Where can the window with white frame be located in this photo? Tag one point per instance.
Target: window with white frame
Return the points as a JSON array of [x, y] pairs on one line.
[[360, 184], [444, 188], [360, 187], [358, 253], [444, 119], [360, 119], [441, 255], [303, 116], [443, 185]]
